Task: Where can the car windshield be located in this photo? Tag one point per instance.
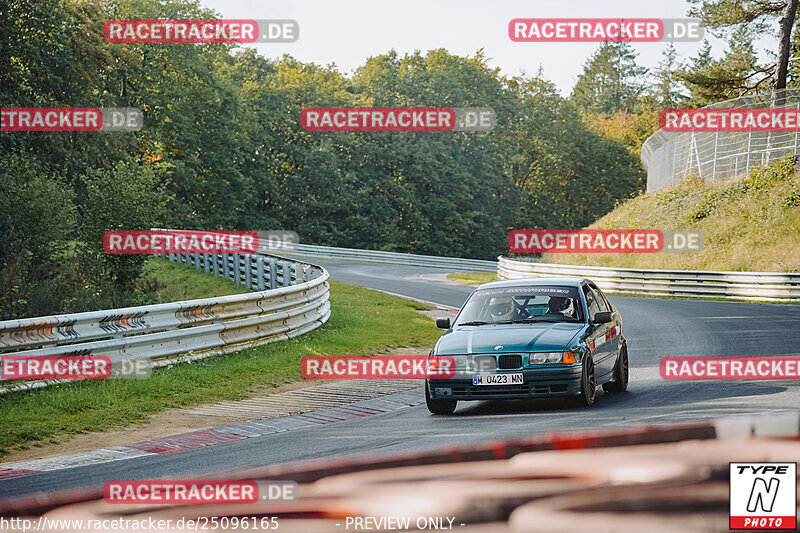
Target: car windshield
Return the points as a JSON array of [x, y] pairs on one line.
[[512, 305]]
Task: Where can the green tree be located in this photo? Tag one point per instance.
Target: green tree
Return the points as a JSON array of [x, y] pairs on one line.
[[449, 193], [668, 84], [129, 196], [562, 169], [222, 148], [611, 80], [744, 18], [711, 80], [37, 218]]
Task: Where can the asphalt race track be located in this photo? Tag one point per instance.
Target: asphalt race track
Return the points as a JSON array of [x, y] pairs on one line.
[[654, 328]]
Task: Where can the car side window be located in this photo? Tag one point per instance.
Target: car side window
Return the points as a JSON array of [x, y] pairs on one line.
[[600, 298], [608, 303], [591, 302]]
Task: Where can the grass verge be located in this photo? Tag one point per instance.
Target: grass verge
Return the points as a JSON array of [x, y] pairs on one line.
[[473, 278], [174, 282], [363, 322], [750, 224]]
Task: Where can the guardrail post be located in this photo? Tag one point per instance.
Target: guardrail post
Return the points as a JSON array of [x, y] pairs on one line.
[[273, 274], [237, 276], [215, 258], [286, 269], [248, 271], [260, 273], [299, 273], [196, 259]]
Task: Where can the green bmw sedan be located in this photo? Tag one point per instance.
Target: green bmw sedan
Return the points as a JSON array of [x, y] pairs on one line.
[[530, 338]]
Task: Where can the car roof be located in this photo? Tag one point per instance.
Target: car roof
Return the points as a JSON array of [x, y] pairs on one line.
[[563, 281]]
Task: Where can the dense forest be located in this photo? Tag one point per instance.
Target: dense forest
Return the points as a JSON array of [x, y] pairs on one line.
[[222, 147]]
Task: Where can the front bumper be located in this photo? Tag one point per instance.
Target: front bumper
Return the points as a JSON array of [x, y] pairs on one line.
[[553, 381]]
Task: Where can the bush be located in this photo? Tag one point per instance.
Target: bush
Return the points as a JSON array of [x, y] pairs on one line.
[[37, 217]]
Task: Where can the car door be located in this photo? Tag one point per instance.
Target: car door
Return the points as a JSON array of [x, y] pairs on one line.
[[598, 334], [614, 332]]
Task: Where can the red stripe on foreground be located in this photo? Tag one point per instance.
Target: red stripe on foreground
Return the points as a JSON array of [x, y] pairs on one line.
[[185, 441], [312, 470], [5, 474]]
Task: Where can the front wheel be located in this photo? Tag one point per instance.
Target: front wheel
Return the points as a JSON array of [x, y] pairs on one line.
[[621, 373], [588, 385], [439, 407]]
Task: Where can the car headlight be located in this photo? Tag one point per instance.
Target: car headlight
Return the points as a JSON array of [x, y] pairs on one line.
[[460, 361], [546, 358]]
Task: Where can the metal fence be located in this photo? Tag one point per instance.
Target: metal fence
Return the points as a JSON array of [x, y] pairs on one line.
[[291, 298], [395, 258], [761, 286], [670, 157]]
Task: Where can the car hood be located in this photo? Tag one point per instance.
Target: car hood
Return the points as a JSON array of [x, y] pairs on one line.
[[543, 336]]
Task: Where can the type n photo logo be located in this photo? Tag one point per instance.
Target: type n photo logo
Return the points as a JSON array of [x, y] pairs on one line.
[[763, 495]]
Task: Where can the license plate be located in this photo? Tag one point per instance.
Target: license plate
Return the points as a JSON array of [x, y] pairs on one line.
[[497, 379]]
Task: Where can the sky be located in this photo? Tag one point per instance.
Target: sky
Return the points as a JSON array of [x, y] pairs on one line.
[[347, 32]]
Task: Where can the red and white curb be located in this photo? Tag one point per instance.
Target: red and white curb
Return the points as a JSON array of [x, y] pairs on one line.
[[214, 436]]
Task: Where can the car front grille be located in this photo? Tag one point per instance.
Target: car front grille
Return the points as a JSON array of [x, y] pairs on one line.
[[477, 392], [527, 389], [505, 362]]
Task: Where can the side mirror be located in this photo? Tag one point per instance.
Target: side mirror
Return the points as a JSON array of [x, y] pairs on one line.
[[603, 317], [443, 323]]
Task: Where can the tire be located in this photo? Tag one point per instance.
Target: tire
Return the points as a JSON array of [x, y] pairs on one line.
[[621, 373], [439, 407], [588, 385]]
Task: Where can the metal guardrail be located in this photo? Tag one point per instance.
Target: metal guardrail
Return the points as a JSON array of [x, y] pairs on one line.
[[396, 258], [670, 157], [291, 298], [762, 286]]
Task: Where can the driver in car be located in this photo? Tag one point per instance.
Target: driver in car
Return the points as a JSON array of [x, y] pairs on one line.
[[558, 305], [501, 308]]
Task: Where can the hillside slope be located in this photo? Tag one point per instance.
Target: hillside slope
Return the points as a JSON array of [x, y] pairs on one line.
[[748, 224]]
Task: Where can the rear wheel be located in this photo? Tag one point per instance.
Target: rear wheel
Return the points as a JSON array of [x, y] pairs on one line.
[[621, 373], [588, 385], [439, 407]]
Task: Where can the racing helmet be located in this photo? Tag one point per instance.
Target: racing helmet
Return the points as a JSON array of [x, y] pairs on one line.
[[501, 308], [557, 304]]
